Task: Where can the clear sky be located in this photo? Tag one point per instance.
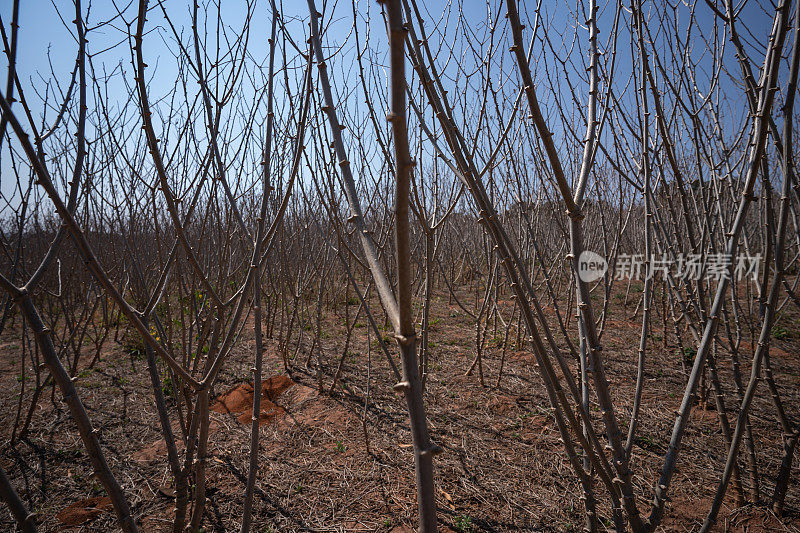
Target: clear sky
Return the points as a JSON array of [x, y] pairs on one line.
[[47, 35], [46, 38]]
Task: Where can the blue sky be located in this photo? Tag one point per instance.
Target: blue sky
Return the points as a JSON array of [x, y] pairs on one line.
[[46, 37]]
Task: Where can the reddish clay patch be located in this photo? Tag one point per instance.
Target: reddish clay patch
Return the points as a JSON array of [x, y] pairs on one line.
[[773, 350], [502, 404], [757, 520], [521, 356], [624, 324], [704, 415], [156, 450], [307, 408], [239, 400], [83, 511]]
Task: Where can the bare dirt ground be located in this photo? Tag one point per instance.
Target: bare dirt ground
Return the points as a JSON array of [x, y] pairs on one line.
[[331, 463]]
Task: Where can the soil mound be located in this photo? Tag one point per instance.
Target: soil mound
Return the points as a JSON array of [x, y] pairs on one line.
[[83, 511], [239, 399], [156, 450]]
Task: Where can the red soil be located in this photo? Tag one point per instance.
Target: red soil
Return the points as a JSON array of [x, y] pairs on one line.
[[239, 399], [84, 511]]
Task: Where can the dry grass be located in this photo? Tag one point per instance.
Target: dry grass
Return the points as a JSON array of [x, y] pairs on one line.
[[503, 468]]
